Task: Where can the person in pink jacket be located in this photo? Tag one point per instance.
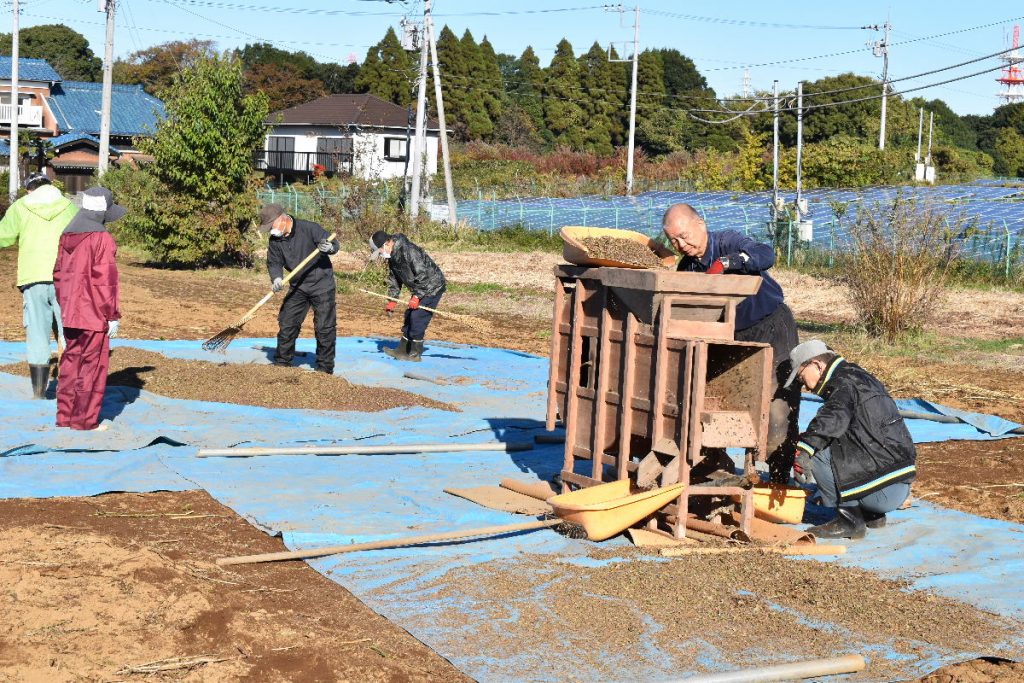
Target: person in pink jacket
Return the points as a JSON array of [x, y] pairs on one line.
[[86, 280]]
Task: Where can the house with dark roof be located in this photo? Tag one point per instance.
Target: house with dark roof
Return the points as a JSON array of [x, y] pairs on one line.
[[360, 135], [66, 115]]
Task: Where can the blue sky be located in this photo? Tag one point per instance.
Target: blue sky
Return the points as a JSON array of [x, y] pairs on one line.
[[721, 37]]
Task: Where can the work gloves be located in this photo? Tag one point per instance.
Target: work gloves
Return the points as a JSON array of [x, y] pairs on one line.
[[802, 467], [113, 326], [414, 302], [326, 246], [277, 285], [390, 308]]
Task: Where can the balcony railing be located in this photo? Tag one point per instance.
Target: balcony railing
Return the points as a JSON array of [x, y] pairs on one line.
[[27, 115], [302, 162]]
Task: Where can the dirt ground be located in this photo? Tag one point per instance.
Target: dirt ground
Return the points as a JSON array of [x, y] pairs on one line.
[[153, 592], [251, 385], [628, 606], [92, 587]]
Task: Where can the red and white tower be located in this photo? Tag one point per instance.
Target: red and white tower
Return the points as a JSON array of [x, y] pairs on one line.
[[1012, 75]]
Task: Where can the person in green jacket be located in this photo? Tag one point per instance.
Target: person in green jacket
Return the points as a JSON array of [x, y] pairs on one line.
[[35, 223]]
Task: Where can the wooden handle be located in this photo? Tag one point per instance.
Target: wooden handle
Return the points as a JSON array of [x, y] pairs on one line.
[[304, 262], [391, 449], [809, 549], [392, 543], [540, 490], [391, 298]]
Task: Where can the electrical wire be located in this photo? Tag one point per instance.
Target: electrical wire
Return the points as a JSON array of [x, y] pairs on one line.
[[744, 22], [217, 4]]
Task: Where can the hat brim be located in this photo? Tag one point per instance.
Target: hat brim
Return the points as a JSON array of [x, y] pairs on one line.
[[792, 377], [266, 227], [115, 212]]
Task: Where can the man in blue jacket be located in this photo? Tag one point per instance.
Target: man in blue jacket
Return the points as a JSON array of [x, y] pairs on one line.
[[763, 317]]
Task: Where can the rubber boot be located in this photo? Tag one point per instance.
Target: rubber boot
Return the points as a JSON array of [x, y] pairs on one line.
[[40, 375], [415, 351], [849, 523], [400, 352], [874, 520]]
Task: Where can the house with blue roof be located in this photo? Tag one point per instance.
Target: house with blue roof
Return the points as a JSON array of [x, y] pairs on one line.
[[66, 115]]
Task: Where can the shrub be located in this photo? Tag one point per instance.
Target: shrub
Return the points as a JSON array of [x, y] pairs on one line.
[[901, 258]]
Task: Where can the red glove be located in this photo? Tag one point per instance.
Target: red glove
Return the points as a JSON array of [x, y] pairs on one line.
[[390, 308], [414, 302], [717, 267]]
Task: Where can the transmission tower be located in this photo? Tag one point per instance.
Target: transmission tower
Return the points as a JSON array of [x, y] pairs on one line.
[[1012, 75]]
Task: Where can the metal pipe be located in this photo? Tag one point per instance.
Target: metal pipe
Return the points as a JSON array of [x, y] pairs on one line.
[[394, 449], [784, 672]]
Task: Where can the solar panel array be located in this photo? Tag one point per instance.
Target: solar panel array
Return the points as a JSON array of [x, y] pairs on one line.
[[996, 208]]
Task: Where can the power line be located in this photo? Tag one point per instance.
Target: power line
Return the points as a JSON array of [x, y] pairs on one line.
[[745, 22], [312, 11]]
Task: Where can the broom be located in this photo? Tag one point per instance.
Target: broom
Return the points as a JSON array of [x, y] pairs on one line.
[[478, 324], [220, 341]]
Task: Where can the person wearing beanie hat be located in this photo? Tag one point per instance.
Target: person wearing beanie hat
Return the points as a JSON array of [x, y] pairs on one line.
[[35, 223], [88, 289], [857, 447], [409, 266]]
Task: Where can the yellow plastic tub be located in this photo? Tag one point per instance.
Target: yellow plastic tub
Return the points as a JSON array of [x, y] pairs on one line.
[[779, 504], [573, 250], [607, 509]]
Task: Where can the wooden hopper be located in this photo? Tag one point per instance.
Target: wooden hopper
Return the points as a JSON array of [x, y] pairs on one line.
[[573, 250]]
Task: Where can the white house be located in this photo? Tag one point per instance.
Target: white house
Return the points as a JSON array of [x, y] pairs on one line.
[[362, 135]]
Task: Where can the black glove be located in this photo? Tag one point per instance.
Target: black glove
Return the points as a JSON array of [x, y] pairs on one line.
[[802, 471], [326, 246]]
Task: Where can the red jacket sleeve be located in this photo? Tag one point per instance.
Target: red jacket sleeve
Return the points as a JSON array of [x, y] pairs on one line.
[[105, 277]]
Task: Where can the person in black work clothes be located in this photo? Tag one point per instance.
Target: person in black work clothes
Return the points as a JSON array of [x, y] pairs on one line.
[[291, 241], [857, 447], [409, 266], [763, 317]]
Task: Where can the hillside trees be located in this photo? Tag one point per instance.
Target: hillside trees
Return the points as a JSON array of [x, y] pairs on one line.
[[156, 67], [65, 49], [389, 72]]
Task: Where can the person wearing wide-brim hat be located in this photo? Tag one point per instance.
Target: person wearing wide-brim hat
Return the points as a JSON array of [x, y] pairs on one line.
[[88, 289]]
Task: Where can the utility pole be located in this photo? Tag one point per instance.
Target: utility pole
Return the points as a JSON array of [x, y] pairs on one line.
[[775, 151], [632, 89], [920, 126], [448, 187], [13, 179], [880, 48], [108, 69], [799, 148], [419, 143]]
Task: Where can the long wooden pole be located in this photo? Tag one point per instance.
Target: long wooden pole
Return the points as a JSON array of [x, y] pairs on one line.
[[391, 449], [392, 543], [809, 549]]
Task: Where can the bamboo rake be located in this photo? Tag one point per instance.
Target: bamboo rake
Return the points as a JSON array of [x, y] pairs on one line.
[[394, 449], [472, 321], [220, 341], [392, 543]]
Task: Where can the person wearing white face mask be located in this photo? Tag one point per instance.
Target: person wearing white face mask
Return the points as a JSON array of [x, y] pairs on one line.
[[409, 266], [291, 240]]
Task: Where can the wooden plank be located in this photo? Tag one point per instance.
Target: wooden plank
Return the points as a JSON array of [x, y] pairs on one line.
[[554, 371], [600, 420], [626, 392], [569, 477], [676, 282], [575, 361], [659, 366]]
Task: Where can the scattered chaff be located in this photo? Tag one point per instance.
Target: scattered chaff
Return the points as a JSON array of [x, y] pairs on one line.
[[188, 514], [353, 642], [172, 664]]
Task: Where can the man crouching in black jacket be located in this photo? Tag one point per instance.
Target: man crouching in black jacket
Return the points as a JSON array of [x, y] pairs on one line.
[[291, 241], [409, 266], [857, 446]]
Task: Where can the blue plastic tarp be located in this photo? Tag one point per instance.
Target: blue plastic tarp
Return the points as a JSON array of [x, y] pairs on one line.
[[313, 501]]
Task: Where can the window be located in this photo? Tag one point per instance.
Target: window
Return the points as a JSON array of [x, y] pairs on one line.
[[395, 149], [333, 153], [281, 152]]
